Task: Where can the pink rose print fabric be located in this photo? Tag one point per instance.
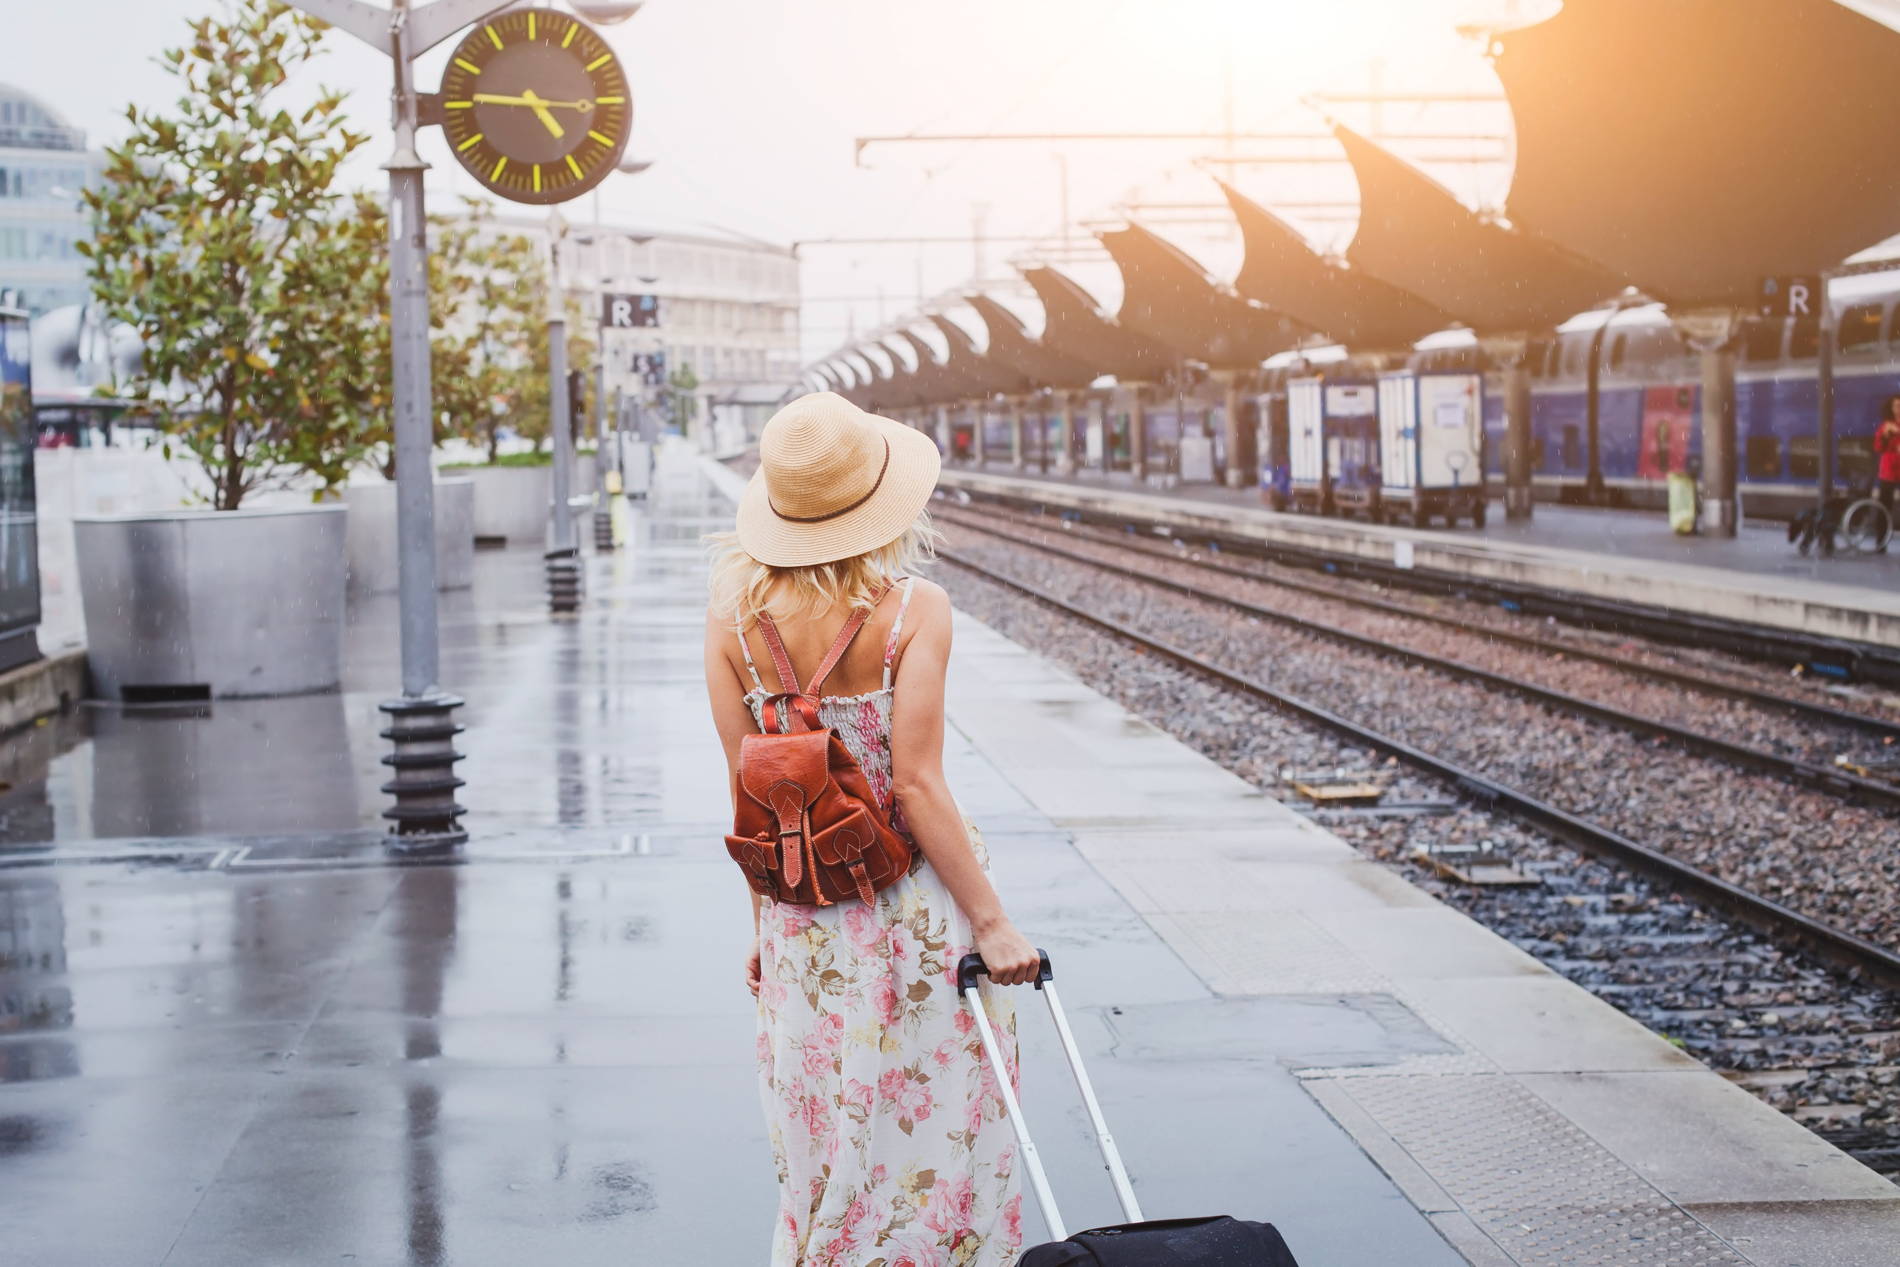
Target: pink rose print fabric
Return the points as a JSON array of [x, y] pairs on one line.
[[886, 1122]]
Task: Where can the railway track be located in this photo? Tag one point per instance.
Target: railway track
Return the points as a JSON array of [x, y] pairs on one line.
[[1814, 1036], [1808, 743]]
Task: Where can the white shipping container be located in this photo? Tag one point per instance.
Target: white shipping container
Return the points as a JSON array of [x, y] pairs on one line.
[[1305, 455], [1431, 428]]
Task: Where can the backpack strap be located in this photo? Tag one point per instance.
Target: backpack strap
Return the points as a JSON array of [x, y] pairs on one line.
[[782, 663], [843, 640]]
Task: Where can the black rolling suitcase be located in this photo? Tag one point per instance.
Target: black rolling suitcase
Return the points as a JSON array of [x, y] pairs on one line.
[[1218, 1241]]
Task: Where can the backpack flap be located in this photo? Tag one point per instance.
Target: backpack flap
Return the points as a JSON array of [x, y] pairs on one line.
[[785, 774], [844, 843]]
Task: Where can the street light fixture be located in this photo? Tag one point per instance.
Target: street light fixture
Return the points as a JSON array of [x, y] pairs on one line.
[[606, 12]]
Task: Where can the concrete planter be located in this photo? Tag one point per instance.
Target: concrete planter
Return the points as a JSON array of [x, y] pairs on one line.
[[225, 603], [512, 502], [372, 536]]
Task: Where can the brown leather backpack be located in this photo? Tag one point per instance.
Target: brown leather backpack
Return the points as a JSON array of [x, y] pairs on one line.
[[807, 828]]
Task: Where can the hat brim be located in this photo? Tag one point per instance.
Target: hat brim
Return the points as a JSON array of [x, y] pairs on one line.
[[882, 518]]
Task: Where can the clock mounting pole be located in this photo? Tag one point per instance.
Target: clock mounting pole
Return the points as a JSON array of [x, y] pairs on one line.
[[421, 728]]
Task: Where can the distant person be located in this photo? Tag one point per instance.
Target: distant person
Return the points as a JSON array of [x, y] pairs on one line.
[[886, 1123], [1887, 452]]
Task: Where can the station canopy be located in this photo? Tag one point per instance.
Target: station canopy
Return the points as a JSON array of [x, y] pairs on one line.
[[1075, 326], [897, 389], [881, 389], [1013, 345], [1496, 278], [994, 377], [1697, 146], [1347, 305], [1169, 297], [937, 383]]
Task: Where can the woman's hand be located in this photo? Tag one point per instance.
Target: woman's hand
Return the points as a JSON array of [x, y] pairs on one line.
[[752, 968], [1008, 955]]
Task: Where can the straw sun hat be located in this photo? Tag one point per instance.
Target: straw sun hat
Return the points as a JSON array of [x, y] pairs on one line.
[[833, 481]]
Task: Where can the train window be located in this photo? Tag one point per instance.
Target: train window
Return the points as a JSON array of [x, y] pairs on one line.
[[1761, 340], [1859, 328], [1618, 346], [1803, 457], [1573, 446], [1537, 453], [1804, 341], [1764, 457]]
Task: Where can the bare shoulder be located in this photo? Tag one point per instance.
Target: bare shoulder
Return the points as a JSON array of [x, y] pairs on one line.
[[929, 603]]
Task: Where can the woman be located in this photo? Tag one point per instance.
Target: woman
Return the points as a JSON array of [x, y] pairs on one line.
[[885, 1121], [1887, 453]]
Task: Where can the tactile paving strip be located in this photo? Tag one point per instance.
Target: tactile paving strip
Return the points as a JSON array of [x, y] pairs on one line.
[[1540, 1188]]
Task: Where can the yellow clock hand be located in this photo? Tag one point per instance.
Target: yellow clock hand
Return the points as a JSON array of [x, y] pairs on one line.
[[494, 99], [541, 112]]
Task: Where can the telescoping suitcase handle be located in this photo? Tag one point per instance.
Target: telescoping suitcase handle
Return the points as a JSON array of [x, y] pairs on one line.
[[969, 968]]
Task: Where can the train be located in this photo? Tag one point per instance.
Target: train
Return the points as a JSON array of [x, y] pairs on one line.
[[1648, 416]]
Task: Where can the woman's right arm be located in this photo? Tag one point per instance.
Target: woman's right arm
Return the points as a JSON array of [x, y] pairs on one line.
[[920, 788]]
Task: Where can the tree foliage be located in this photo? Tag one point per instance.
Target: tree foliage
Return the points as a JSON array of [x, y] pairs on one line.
[[257, 289]]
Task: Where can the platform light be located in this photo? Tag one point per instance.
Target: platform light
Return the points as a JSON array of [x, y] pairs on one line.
[[606, 12]]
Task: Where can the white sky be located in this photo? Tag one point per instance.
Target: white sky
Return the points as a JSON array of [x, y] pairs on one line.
[[750, 108]]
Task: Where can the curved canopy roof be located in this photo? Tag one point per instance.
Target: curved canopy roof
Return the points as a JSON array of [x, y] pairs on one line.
[[992, 375], [1346, 305], [937, 382], [1013, 345], [1075, 326], [1414, 234], [895, 387], [1695, 149], [1169, 297]]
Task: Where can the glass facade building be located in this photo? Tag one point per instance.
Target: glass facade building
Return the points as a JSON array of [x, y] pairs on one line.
[[44, 167]]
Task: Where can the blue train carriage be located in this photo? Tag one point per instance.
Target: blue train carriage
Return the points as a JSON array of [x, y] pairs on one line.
[[998, 431], [1272, 447], [1431, 446], [19, 522]]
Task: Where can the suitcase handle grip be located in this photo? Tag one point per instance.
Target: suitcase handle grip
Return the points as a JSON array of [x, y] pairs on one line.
[[971, 966]]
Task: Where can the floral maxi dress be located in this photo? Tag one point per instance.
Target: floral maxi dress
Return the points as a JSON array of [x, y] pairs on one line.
[[886, 1123]]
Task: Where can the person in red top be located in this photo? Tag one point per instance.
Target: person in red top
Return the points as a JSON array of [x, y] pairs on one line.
[[1887, 449]]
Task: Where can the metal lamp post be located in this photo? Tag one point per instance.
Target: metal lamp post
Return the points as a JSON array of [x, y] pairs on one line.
[[563, 556], [421, 727], [603, 499]]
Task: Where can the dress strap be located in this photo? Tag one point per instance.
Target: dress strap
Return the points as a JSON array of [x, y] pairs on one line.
[[897, 627], [782, 663], [843, 640], [746, 651]]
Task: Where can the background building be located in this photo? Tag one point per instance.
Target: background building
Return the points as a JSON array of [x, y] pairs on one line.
[[723, 342], [44, 166]]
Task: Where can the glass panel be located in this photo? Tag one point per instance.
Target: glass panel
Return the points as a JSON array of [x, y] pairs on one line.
[[1764, 457], [1860, 327]]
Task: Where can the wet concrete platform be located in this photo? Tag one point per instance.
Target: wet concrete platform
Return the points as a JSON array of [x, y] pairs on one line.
[[232, 1033], [1630, 556]]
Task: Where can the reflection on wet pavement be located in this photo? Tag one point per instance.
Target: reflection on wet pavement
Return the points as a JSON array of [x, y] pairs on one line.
[[550, 713], [233, 1032], [230, 1032]]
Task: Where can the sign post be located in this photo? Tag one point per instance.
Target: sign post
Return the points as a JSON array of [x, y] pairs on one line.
[[425, 815]]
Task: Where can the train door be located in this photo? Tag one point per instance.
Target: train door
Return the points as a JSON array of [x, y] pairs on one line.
[[1668, 421], [1307, 463]]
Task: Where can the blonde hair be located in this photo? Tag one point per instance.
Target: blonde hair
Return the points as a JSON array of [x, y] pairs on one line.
[[743, 588]]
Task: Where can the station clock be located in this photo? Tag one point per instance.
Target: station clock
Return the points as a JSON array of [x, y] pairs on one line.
[[536, 106]]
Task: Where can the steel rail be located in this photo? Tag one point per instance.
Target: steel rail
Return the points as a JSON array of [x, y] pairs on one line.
[[1679, 677], [1823, 939], [1847, 787], [1832, 656]]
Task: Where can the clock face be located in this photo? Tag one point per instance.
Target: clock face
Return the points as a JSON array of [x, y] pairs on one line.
[[536, 106]]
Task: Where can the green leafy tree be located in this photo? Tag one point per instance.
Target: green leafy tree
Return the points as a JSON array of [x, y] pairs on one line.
[[681, 404], [258, 289]]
